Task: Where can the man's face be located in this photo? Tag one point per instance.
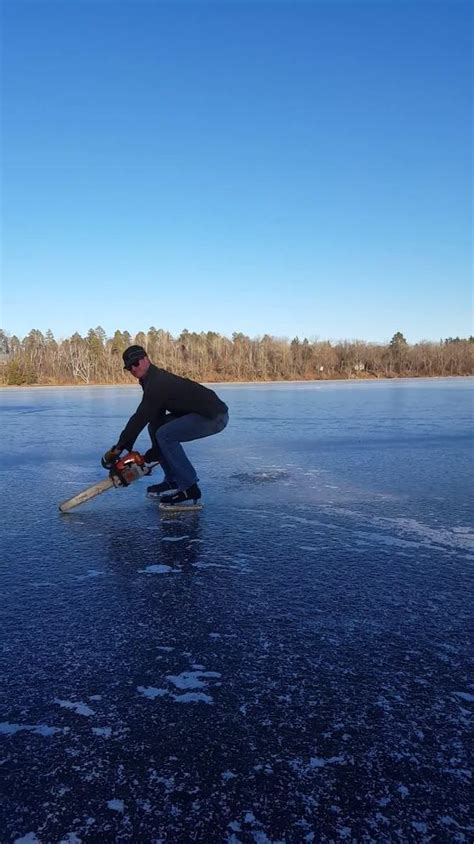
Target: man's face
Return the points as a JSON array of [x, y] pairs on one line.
[[139, 369]]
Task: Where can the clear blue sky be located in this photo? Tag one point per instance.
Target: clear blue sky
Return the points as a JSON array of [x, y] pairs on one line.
[[290, 168]]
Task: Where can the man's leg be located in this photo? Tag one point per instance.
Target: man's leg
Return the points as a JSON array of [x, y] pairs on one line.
[[169, 437], [168, 483]]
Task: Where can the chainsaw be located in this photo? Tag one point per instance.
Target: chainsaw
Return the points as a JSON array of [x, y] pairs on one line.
[[123, 472]]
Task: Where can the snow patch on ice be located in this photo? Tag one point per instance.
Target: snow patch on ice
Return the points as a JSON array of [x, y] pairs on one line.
[[79, 707], [419, 826], [106, 732], [465, 696], [29, 838], [193, 697], [234, 826], [191, 679], [151, 692], [7, 729], [319, 762], [116, 805]]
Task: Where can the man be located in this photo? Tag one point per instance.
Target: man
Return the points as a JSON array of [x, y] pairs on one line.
[[176, 410]]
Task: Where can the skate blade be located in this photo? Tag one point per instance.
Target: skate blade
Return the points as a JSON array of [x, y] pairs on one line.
[[184, 507]]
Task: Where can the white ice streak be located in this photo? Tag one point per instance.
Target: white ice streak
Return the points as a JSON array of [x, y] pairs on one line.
[[458, 537], [383, 539], [157, 569], [465, 696], [90, 573], [79, 707], [7, 729], [174, 538], [211, 566]]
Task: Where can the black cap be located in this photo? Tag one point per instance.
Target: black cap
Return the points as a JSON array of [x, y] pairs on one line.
[[132, 355]]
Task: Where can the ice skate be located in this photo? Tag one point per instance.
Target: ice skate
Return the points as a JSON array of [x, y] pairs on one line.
[[182, 500]]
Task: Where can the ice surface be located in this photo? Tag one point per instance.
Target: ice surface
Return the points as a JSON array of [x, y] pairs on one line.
[[304, 675]]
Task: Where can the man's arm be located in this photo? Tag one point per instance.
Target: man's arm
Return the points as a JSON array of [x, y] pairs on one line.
[[135, 425]]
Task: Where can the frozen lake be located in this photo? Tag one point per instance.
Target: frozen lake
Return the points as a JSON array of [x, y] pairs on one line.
[[289, 665]]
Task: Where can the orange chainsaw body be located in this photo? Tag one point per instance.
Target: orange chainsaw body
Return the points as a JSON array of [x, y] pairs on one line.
[[128, 469]]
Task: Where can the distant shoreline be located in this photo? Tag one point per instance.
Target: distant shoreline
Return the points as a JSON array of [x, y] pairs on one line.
[[247, 383]]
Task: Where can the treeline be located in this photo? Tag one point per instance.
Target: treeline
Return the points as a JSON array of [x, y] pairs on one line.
[[96, 359]]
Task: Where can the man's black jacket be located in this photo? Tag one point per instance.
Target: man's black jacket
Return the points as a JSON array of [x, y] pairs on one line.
[[164, 392]]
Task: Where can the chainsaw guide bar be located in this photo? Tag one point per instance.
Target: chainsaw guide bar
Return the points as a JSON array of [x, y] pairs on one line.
[[124, 471]]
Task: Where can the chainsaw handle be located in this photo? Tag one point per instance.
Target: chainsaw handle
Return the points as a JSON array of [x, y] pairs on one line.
[[110, 457]]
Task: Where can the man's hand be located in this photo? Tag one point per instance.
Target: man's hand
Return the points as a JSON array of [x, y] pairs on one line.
[[110, 457]]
